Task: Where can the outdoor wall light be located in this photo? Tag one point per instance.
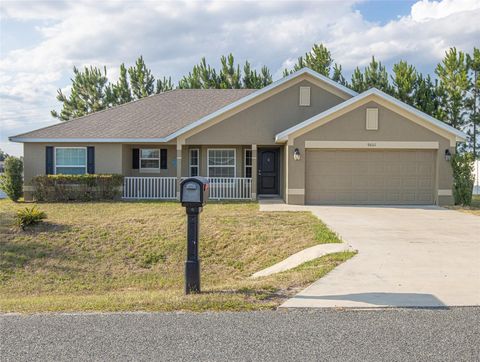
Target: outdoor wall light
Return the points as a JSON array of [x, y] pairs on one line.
[[296, 154], [448, 155]]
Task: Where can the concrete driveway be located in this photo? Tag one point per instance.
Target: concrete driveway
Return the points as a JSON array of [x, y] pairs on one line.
[[407, 257]]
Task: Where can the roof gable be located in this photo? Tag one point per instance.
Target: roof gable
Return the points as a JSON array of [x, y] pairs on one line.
[[375, 95], [259, 94]]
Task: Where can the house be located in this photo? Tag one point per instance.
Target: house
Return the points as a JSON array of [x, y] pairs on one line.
[[304, 138]]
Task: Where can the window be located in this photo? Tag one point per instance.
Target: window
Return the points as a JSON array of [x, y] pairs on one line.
[[149, 158], [71, 160], [153, 159], [194, 162], [221, 163], [248, 163]]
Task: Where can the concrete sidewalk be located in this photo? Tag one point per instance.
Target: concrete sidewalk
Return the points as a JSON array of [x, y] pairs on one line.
[[301, 257], [407, 257]]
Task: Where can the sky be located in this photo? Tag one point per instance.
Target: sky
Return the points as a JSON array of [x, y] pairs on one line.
[[41, 41]]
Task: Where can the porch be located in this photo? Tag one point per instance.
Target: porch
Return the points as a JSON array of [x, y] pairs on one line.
[[233, 171]]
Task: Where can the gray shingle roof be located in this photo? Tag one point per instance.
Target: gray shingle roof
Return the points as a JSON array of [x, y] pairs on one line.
[[156, 116]]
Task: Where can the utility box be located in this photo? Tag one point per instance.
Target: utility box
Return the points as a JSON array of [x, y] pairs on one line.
[[194, 192]]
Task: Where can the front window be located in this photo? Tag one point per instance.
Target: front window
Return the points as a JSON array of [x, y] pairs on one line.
[[71, 160], [248, 163], [221, 163], [149, 158], [194, 162]]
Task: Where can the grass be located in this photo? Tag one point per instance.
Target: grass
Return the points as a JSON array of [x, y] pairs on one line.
[[472, 209], [130, 256]]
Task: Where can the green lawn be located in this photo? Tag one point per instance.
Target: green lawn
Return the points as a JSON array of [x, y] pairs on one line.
[[130, 256]]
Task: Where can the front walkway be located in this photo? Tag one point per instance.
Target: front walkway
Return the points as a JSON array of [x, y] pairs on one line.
[[407, 257]]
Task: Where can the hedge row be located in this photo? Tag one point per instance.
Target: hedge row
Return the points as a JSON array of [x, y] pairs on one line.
[[77, 187]]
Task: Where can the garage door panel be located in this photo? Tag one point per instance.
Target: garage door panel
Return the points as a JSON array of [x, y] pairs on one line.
[[362, 182], [359, 168], [393, 197], [370, 176], [376, 167], [425, 196], [393, 168], [376, 196], [425, 156], [374, 156], [409, 197], [425, 169], [410, 183], [393, 183], [409, 168], [425, 183], [360, 197]]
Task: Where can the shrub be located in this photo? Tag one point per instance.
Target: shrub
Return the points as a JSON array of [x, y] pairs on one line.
[[11, 181], [29, 216], [463, 178], [76, 187]]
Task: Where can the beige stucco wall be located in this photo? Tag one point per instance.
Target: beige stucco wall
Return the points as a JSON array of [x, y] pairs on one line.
[[108, 157], [170, 171], [261, 122], [203, 149], [351, 127]]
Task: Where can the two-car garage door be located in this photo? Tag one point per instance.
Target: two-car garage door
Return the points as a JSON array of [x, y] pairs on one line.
[[379, 177]]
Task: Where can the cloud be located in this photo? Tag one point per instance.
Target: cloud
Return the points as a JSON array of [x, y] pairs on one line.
[[173, 36], [426, 10]]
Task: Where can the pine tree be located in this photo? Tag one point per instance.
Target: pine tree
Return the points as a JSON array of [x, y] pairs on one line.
[[202, 76], [454, 83], [265, 77], [337, 75], [120, 92], [404, 81], [473, 102], [164, 85], [318, 59], [425, 95], [230, 76], [358, 81], [376, 76], [253, 80], [142, 81], [88, 94]]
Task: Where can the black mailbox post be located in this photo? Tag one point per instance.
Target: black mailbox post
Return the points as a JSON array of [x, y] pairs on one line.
[[193, 196]]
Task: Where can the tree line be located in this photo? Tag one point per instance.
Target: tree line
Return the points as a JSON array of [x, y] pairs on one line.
[[453, 96]]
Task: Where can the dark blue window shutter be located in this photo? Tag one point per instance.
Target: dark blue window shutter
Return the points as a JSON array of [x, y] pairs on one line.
[[90, 159], [49, 160], [135, 158], [163, 159]]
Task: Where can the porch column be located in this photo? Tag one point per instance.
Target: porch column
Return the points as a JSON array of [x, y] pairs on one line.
[[254, 172], [179, 167]]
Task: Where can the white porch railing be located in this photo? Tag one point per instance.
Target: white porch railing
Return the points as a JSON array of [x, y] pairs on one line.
[[150, 188], [230, 188], [165, 188]]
